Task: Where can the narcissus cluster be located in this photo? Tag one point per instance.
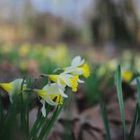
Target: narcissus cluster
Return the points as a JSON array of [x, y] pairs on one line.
[[54, 91]]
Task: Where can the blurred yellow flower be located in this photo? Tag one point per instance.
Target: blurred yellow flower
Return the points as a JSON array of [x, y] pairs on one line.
[[24, 50], [112, 65], [127, 75], [23, 65]]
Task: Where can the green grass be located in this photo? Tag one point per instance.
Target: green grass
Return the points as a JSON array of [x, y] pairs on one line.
[[118, 82]]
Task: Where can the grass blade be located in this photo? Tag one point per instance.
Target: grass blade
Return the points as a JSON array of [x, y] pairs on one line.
[[39, 122], [138, 89], [48, 125], [118, 83], [137, 113], [138, 96], [105, 121], [1, 111], [134, 123]]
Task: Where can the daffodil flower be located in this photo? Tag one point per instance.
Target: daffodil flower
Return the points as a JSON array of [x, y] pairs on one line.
[[78, 67], [65, 79], [12, 87], [127, 75], [77, 61], [52, 94]]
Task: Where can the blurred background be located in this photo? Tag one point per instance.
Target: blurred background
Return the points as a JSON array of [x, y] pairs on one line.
[[105, 25], [92, 25], [37, 36], [83, 22]]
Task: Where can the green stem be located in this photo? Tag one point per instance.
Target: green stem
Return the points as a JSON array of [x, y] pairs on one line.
[[38, 123], [118, 81], [134, 123], [49, 124]]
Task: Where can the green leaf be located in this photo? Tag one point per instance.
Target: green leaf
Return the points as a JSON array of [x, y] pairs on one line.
[[49, 123], [137, 113], [134, 123], [138, 89], [118, 82], [138, 97], [39, 123], [1, 111], [105, 121]]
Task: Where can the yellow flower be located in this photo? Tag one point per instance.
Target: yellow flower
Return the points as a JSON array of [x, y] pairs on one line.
[[7, 87], [74, 83], [127, 75], [12, 87], [64, 80], [24, 50], [112, 65], [53, 94], [57, 98], [85, 70], [51, 98]]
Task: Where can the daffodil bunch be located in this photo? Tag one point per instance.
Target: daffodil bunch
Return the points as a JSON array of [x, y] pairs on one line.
[[54, 91]]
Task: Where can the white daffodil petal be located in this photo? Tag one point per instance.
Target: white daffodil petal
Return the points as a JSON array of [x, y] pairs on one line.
[[62, 93], [43, 109], [17, 83], [61, 89], [80, 81], [11, 98], [61, 85], [55, 88], [50, 101], [77, 61], [53, 91], [66, 78], [73, 70]]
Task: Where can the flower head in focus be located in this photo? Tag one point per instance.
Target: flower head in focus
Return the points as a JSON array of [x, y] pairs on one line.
[[52, 94], [65, 79], [78, 67]]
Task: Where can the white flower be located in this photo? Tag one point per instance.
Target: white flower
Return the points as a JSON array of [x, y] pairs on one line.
[[78, 67], [52, 94], [65, 79], [13, 87], [77, 61]]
